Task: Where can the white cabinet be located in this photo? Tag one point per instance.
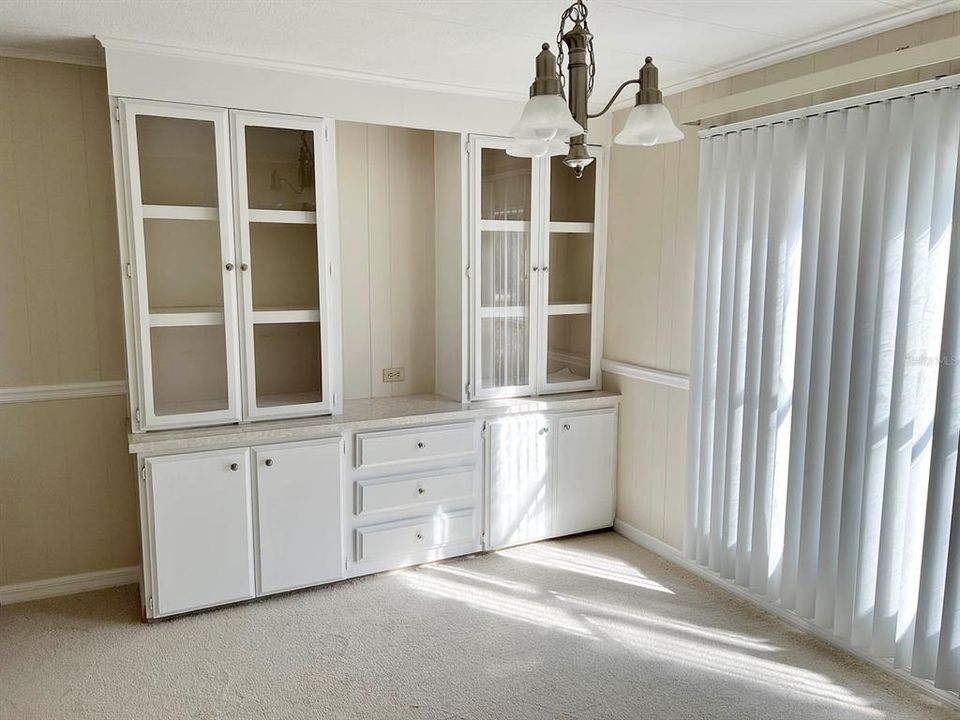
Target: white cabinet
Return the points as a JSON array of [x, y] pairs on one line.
[[299, 538], [199, 524], [231, 265], [550, 475], [586, 452], [537, 238]]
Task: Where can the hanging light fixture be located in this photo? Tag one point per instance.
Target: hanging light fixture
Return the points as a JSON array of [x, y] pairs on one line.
[[550, 120]]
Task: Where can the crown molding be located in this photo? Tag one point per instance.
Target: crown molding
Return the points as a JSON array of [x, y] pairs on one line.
[[44, 56], [807, 47]]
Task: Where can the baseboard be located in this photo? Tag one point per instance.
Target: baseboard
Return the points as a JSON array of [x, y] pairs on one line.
[[68, 585], [672, 554]]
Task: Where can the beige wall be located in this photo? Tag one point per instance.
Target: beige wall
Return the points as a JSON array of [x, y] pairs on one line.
[[650, 262]]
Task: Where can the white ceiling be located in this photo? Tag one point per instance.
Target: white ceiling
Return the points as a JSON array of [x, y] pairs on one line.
[[481, 45]]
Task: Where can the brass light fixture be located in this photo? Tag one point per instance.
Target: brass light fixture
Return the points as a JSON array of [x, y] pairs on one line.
[[554, 124]]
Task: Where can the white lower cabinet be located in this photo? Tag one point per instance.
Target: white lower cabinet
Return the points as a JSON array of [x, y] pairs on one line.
[[550, 475], [199, 511], [299, 540]]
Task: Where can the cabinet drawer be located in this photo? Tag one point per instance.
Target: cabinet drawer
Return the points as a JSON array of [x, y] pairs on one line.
[[398, 447], [378, 495], [409, 538]]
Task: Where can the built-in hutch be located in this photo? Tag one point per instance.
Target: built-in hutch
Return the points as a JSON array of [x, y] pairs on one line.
[[256, 475]]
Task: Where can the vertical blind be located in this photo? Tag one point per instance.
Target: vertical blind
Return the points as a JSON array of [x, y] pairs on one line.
[[825, 388]]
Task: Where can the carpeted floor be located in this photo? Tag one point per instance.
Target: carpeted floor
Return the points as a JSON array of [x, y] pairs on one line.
[[588, 627]]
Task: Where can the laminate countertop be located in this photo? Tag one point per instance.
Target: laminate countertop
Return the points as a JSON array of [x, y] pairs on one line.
[[368, 414]]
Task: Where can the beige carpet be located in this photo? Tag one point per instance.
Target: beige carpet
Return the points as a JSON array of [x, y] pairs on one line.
[[589, 627]]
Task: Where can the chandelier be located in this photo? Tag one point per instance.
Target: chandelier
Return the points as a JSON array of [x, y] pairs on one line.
[[555, 123]]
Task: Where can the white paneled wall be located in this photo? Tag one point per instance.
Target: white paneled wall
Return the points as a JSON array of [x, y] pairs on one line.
[[387, 228]]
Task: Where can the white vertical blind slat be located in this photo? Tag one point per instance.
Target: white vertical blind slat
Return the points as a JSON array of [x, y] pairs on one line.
[[825, 392]]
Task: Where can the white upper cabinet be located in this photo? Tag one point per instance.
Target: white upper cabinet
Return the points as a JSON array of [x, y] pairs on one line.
[[537, 242], [232, 263]]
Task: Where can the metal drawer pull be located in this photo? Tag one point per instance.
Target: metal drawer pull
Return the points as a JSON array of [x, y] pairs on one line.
[[420, 491], [234, 467], [421, 445], [566, 426], [268, 462]]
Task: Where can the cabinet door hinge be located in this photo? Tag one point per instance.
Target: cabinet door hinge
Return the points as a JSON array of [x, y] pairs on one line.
[[138, 417], [150, 603], [143, 473], [330, 269], [469, 388], [129, 270], [334, 398], [116, 113], [466, 147], [326, 132], [468, 271]]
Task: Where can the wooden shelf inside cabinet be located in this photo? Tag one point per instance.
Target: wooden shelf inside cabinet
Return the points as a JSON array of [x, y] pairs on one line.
[[286, 315], [180, 212], [297, 217], [571, 227], [569, 309], [185, 316]]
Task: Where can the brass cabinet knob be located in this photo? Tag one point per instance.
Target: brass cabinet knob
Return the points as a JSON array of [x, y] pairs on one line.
[[268, 462], [234, 466]]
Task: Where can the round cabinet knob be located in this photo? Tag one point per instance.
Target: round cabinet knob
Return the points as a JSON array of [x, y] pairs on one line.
[[536, 268], [229, 266], [419, 536], [546, 269], [544, 431], [566, 426], [268, 462], [244, 267], [420, 491], [421, 445], [234, 466]]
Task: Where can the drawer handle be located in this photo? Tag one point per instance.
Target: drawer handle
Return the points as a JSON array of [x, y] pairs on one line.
[[421, 445], [234, 467], [419, 536], [566, 426], [268, 462], [420, 491]]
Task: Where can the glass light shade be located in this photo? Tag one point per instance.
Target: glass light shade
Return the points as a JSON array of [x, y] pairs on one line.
[[649, 125], [536, 148], [546, 117]]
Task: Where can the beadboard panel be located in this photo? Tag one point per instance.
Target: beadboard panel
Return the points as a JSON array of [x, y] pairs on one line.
[[650, 267], [60, 310], [68, 489], [386, 185]]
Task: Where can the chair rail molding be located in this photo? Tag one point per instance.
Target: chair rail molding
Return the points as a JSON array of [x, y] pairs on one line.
[[65, 391], [647, 374]]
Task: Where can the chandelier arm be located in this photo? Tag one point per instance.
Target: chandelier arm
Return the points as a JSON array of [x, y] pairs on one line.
[[612, 100]]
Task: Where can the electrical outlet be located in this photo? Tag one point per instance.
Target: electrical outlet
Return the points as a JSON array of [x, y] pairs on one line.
[[393, 374]]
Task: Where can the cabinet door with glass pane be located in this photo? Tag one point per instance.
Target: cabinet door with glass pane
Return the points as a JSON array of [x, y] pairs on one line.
[[285, 268], [505, 208], [570, 277], [183, 278]]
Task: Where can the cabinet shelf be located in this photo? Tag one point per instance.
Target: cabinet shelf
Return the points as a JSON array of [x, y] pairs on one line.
[[298, 217], [569, 309], [571, 227], [180, 212], [287, 399], [504, 225], [286, 315], [185, 316], [511, 311]]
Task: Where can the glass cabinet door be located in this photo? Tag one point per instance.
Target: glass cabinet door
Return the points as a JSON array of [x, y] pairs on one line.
[[281, 265], [181, 217], [569, 278], [506, 256]]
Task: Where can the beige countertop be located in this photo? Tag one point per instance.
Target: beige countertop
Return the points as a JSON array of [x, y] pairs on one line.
[[373, 413]]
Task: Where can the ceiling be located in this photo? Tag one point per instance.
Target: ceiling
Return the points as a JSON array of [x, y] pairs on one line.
[[476, 45]]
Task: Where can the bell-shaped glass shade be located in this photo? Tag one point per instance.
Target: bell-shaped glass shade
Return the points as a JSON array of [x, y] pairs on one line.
[[649, 125], [546, 117], [536, 148]]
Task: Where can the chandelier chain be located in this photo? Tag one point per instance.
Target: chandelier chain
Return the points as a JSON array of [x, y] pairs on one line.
[[575, 13]]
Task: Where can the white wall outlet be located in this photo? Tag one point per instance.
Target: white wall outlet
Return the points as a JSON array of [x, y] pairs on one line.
[[393, 374]]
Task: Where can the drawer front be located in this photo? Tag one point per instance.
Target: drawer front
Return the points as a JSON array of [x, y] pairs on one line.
[[379, 495], [397, 540], [399, 447]]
